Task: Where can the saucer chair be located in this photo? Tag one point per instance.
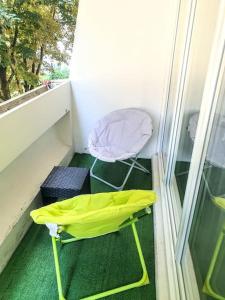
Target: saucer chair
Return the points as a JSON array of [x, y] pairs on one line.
[[120, 136]]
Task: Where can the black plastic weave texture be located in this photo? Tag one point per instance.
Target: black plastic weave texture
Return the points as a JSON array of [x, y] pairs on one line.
[[65, 182]]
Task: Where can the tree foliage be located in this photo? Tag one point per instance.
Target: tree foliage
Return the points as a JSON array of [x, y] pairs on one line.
[[31, 32], [57, 72]]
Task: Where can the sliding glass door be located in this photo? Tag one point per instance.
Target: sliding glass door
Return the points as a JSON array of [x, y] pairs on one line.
[[207, 235], [194, 149], [201, 41]]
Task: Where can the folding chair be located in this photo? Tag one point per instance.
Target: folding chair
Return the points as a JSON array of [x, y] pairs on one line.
[[88, 216], [120, 136]]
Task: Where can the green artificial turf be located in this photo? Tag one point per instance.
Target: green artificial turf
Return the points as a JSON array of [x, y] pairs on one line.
[[87, 266]]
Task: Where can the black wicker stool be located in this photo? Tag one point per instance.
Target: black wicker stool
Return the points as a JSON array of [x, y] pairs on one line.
[[65, 182]]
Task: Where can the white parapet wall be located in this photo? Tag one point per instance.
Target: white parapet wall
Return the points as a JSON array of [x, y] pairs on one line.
[[34, 137], [10, 104]]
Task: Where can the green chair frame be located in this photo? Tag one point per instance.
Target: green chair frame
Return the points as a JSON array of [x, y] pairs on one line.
[[143, 281], [207, 288]]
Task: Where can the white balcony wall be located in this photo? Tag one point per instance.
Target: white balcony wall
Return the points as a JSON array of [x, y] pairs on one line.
[[34, 137], [21, 126], [121, 59]]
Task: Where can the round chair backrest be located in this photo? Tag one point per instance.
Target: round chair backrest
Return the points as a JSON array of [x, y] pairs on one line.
[[120, 134]]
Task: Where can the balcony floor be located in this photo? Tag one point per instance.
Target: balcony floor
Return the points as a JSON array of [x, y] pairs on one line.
[[88, 266]]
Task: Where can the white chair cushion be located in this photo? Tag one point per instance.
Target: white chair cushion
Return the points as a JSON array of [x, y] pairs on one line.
[[120, 135]]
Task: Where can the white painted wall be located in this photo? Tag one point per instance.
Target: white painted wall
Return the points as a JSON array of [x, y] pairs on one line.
[[121, 59]]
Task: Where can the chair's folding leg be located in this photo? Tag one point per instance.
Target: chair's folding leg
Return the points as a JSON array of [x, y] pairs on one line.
[[132, 165], [127, 176], [143, 281], [100, 179], [141, 168], [57, 269], [207, 288], [137, 165]]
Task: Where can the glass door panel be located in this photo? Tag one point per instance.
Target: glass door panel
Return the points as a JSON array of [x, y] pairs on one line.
[[175, 74], [203, 260], [207, 236], [201, 43]]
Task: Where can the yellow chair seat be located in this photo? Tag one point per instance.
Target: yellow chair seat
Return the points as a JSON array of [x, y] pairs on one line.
[[87, 216], [220, 202]]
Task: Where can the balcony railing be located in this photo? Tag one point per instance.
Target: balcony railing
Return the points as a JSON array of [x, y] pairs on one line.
[[35, 135], [10, 104]]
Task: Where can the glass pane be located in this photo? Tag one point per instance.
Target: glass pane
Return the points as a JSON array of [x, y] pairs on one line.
[[207, 237], [201, 43], [177, 61]]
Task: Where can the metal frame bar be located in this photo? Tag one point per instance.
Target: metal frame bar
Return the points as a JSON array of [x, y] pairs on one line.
[[162, 128], [143, 281], [179, 99], [207, 288], [132, 165], [186, 273], [168, 165], [167, 285], [57, 269]]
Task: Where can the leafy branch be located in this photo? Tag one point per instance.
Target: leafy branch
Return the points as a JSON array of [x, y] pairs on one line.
[[29, 35]]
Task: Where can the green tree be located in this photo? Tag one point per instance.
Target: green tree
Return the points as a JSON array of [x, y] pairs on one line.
[[57, 72], [30, 32]]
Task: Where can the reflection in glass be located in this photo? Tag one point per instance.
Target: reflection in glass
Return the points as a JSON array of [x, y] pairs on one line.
[[207, 237], [201, 44], [174, 80]]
